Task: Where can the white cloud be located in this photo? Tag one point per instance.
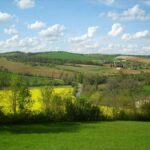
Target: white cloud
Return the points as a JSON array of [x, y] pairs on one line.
[[36, 25], [90, 33], [134, 13], [5, 17], [87, 47], [142, 34], [26, 44], [53, 32], [10, 43], [138, 35], [29, 42], [116, 29], [33, 44], [146, 48], [128, 49], [37, 44], [25, 4], [84, 42], [11, 30], [126, 36]]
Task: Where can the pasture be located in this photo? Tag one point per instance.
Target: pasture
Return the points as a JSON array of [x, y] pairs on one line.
[[76, 136], [44, 71], [55, 71], [147, 90], [65, 70], [66, 56], [135, 59], [90, 69]]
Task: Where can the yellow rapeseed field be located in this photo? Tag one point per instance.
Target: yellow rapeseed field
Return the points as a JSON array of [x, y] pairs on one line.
[[5, 96]]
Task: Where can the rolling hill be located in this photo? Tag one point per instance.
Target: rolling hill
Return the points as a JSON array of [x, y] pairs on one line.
[[135, 59], [56, 64]]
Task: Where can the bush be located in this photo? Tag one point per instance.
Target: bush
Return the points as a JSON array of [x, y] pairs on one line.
[[82, 110], [145, 111], [126, 114]]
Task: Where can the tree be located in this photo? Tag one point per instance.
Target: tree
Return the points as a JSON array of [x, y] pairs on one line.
[[24, 99], [15, 87], [46, 94], [123, 92], [20, 95], [145, 108], [4, 79], [82, 110], [79, 77], [111, 94], [53, 105], [133, 90], [58, 107]]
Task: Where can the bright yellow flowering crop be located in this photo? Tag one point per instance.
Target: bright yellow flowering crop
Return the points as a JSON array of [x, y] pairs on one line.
[[5, 97]]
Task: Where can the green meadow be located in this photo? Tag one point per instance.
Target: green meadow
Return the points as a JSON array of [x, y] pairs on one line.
[[118, 135], [147, 90]]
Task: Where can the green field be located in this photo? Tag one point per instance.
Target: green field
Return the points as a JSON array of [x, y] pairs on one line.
[[61, 64], [76, 136], [65, 55], [90, 69], [74, 56], [147, 90]]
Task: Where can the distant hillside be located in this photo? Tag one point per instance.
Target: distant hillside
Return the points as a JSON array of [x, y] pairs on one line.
[[57, 56], [61, 57], [75, 56], [61, 64], [52, 55], [145, 60], [19, 67], [65, 56], [12, 53]]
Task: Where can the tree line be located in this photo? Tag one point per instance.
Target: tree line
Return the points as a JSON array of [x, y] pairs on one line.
[[122, 94]]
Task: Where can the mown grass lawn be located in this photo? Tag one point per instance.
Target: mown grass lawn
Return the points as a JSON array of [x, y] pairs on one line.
[[77, 136]]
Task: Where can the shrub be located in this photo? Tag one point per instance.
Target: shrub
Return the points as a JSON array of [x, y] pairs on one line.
[[82, 110], [107, 112], [145, 111]]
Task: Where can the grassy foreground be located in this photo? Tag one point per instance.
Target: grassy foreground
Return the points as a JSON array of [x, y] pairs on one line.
[[77, 136]]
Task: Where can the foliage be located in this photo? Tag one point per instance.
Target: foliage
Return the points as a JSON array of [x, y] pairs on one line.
[[145, 111], [82, 110], [20, 95], [102, 98], [24, 99], [147, 90], [46, 96], [123, 92], [53, 58]]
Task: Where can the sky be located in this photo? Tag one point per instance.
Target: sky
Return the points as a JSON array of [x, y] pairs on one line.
[[80, 26]]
